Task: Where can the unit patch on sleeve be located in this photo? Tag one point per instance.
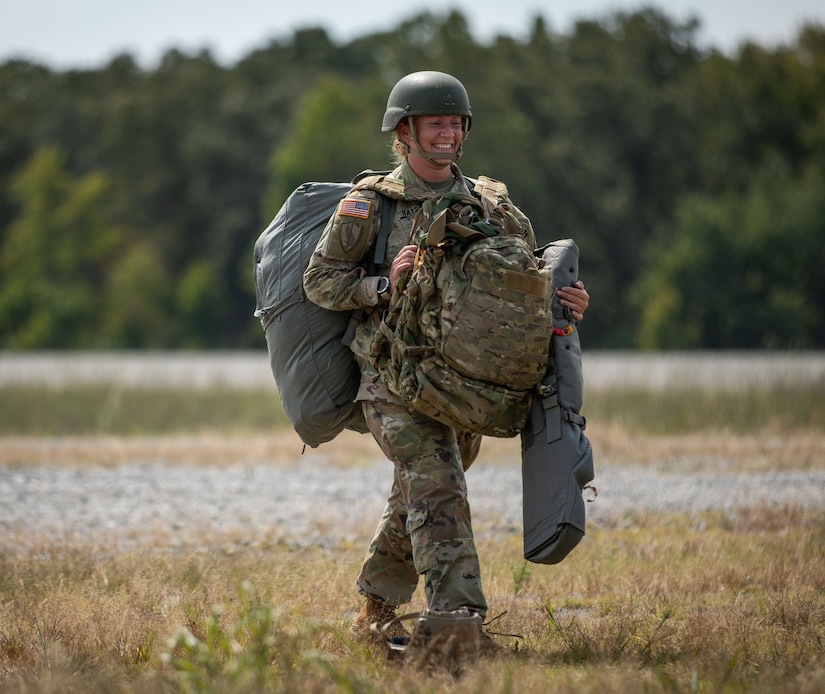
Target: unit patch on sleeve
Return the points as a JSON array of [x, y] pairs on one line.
[[354, 207]]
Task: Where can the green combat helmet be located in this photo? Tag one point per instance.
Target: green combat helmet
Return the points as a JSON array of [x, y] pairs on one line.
[[427, 93]]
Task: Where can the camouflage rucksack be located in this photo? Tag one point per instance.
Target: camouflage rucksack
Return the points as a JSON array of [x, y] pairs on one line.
[[467, 335]]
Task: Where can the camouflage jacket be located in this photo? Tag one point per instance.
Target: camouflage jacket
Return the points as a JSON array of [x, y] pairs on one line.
[[336, 277]]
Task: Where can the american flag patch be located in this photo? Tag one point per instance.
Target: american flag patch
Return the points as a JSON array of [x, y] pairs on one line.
[[355, 208]]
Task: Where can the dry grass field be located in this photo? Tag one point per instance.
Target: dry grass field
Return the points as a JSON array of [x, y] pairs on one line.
[[723, 600]]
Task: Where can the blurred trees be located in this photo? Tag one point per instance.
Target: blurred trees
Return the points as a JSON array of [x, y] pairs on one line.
[[53, 269], [693, 181]]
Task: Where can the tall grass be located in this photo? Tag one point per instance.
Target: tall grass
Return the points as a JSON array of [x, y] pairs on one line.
[[129, 411], [730, 601], [123, 410], [685, 410], [708, 603]]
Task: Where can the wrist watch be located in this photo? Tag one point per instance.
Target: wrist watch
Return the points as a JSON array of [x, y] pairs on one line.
[[383, 288]]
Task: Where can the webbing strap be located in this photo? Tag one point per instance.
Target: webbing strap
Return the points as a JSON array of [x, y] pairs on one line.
[[386, 213], [355, 320], [574, 417], [386, 209], [552, 411]]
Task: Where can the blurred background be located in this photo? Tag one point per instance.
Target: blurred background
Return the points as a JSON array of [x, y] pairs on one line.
[[143, 149]]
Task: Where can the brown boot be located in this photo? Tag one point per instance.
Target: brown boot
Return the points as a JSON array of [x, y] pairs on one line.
[[378, 613]]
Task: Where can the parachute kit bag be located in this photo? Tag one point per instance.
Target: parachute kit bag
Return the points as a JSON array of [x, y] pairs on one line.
[[466, 337], [557, 459], [314, 368], [448, 639]]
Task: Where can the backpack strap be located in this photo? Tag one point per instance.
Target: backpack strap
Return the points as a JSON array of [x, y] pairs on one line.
[[386, 214], [386, 210], [388, 192]]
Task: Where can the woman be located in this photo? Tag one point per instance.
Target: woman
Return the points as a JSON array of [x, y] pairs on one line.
[[426, 527]]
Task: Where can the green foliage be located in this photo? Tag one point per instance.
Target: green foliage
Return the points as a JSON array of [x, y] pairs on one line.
[[237, 656], [200, 306], [332, 118], [740, 270], [258, 651], [52, 269], [138, 306], [130, 199]]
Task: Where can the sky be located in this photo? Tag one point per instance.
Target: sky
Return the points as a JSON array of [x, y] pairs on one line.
[[65, 34]]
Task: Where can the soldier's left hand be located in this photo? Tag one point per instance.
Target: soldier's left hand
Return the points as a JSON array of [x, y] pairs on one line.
[[575, 298], [403, 261]]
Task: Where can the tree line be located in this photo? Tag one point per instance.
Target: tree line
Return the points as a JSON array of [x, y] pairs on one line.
[[692, 180]]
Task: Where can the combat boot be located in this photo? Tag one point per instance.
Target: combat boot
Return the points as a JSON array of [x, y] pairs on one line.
[[441, 639], [373, 616]]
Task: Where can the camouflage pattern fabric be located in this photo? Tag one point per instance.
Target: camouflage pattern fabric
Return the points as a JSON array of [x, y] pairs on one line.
[[428, 457], [467, 335], [426, 527]]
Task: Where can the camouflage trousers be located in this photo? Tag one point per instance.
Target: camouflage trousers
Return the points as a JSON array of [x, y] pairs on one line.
[[426, 527]]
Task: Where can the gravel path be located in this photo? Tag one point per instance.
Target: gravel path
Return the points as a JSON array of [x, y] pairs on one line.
[[318, 504]]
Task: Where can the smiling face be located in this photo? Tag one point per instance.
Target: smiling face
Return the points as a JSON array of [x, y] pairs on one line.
[[436, 144]]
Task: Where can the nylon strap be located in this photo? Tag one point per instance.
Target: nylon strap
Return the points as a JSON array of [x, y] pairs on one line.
[[386, 208], [386, 213]]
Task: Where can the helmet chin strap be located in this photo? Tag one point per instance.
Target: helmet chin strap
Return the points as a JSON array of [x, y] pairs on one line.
[[435, 156]]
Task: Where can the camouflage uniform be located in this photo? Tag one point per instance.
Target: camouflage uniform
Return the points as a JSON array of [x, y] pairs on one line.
[[426, 526]]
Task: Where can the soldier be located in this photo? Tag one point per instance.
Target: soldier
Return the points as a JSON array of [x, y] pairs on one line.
[[426, 527]]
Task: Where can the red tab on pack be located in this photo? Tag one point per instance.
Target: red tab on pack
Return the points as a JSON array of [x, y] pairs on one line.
[[353, 207]]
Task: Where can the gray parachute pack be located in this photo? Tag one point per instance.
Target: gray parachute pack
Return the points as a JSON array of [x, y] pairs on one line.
[[314, 368], [557, 459]]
